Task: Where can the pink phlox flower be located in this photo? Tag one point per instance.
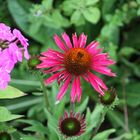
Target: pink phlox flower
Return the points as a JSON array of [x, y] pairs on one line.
[[5, 32], [23, 41], [6, 61], [4, 79], [13, 46]]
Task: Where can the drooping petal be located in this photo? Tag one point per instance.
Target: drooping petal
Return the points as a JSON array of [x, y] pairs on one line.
[[79, 89], [53, 69], [73, 90], [53, 54], [103, 69], [67, 40], [53, 78], [59, 43], [97, 83], [82, 40], [63, 88], [47, 64]]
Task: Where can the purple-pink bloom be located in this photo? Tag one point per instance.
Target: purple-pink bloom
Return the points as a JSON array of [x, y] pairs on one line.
[[13, 46], [76, 61], [4, 79]]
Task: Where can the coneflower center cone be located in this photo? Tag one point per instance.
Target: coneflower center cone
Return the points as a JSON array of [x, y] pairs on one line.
[[70, 126], [77, 61]]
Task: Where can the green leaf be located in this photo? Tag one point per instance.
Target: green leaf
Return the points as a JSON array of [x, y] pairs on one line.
[[91, 2], [19, 13], [6, 115], [52, 125], [47, 4], [68, 6], [92, 14], [77, 18], [22, 16], [104, 135], [35, 126], [83, 106], [26, 137], [138, 1], [91, 117], [59, 20], [133, 94], [127, 51], [10, 93], [138, 12]]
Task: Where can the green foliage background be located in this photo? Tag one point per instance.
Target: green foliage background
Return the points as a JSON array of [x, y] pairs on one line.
[[114, 23]]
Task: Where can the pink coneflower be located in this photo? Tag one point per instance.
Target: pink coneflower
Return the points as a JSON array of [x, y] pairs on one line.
[[72, 125], [13, 46], [76, 61]]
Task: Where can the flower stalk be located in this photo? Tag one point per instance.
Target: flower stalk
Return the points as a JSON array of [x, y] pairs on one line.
[[44, 90]]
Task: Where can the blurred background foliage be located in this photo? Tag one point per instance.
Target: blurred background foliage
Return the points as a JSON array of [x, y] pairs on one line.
[[114, 23]]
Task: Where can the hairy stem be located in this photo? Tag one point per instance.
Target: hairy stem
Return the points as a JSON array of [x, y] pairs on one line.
[[125, 105], [44, 90]]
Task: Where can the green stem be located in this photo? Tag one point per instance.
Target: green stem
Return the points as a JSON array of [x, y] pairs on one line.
[[72, 106], [44, 90], [102, 116]]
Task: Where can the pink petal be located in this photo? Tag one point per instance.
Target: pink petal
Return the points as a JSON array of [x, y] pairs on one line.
[[53, 69], [59, 43], [53, 78], [26, 54], [21, 38], [4, 79], [67, 40], [82, 40], [73, 90], [53, 54], [63, 88], [92, 48], [47, 64], [15, 52], [92, 45], [79, 89], [103, 70], [63, 77], [5, 32], [75, 40], [97, 83]]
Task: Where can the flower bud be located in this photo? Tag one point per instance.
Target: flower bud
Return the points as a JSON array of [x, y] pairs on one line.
[[33, 62], [109, 97]]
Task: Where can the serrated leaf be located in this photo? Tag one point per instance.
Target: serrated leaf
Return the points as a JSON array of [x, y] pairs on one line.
[[52, 125], [6, 115], [35, 126], [10, 93], [92, 14], [68, 6], [104, 135], [83, 106], [77, 18]]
